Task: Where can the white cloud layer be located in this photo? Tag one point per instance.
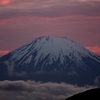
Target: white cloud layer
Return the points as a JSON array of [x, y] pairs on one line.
[[31, 90]]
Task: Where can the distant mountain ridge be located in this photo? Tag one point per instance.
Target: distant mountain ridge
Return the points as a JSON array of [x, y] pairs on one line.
[[50, 58]]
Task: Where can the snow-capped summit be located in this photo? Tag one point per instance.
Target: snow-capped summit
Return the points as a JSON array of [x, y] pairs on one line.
[[58, 58], [53, 47]]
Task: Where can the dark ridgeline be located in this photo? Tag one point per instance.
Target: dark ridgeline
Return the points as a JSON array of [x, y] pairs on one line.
[[93, 94], [51, 59]]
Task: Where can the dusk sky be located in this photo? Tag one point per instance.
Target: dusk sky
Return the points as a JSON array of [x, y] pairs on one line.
[[21, 21]]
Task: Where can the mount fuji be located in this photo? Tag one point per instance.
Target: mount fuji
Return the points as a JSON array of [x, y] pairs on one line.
[[51, 59]]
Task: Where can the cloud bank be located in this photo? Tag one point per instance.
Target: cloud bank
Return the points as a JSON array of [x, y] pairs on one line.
[[31, 90], [23, 20]]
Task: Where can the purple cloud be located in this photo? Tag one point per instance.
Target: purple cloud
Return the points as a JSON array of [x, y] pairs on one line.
[[21, 21]]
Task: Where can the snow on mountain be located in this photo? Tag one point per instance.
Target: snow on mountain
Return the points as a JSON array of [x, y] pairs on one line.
[[55, 47], [56, 56]]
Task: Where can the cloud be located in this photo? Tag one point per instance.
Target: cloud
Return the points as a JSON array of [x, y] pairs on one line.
[[3, 52], [4, 2], [27, 90], [21, 74], [97, 80], [95, 49], [72, 73], [10, 67], [50, 9], [23, 20]]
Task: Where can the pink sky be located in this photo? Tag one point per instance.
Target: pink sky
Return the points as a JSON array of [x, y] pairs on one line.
[[21, 21]]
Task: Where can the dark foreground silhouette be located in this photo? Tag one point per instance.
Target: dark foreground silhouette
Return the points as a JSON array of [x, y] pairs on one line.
[[89, 94]]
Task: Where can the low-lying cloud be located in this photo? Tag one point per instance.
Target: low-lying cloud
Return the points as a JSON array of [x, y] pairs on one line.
[[31, 90]]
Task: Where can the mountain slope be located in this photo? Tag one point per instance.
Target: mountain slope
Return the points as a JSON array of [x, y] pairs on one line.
[[49, 58], [92, 93]]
